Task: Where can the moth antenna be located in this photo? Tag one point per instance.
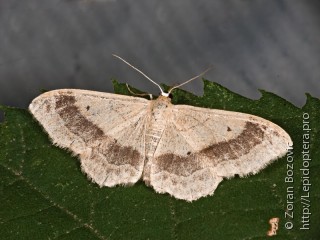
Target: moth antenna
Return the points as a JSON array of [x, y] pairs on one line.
[[138, 94], [191, 79], [139, 71]]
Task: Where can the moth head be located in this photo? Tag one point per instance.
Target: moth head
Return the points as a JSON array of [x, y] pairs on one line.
[[165, 94]]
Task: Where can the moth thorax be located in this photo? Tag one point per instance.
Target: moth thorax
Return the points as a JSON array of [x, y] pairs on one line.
[[154, 131]]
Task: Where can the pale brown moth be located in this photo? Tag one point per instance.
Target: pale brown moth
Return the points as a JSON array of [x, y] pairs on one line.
[[182, 150]]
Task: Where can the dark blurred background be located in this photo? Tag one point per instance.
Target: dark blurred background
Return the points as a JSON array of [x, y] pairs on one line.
[[264, 44]]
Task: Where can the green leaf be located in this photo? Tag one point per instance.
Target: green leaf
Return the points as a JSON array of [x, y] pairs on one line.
[[44, 194]]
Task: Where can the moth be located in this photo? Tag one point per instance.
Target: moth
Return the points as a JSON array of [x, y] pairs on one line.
[[182, 150]]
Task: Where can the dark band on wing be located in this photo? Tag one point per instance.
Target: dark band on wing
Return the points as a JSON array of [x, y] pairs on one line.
[[74, 120], [88, 131], [251, 136], [118, 155]]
